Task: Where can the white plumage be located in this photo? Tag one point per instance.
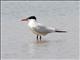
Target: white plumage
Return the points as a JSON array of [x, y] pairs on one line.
[[38, 28]]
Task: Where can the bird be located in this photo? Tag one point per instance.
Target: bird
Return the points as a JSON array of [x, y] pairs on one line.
[[38, 28]]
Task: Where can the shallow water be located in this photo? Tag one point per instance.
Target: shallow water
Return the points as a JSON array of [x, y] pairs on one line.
[[17, 42]]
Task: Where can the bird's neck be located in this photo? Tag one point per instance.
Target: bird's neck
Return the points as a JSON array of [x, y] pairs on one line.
[[32, 20], [32, 23]]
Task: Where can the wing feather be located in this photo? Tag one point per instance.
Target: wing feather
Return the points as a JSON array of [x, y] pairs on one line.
[[42, 29]]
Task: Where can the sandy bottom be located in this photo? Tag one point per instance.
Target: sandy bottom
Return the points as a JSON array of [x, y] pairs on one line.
[[40, 42]]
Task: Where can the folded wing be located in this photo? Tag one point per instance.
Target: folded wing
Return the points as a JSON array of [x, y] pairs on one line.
[[43, 29]]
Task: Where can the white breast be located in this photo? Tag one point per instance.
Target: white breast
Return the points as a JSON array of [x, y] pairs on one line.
[[33, 24]]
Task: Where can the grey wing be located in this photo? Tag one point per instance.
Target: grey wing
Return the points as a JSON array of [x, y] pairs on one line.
[[41, 28]]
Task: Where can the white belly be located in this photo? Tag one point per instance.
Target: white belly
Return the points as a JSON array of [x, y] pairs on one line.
[[39, 33]]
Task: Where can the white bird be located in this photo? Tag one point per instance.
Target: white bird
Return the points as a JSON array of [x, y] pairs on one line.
[[38, 28]]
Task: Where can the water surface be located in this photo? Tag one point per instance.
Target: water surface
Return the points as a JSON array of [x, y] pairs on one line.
[[18, 42]]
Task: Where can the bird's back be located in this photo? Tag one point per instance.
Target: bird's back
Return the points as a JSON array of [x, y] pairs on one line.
[[39, 28]]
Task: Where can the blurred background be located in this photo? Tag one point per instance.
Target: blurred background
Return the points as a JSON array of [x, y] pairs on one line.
[[17, 41]]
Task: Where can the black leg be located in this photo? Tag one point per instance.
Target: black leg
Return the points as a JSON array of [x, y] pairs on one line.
[[40, 37], [37, 37]]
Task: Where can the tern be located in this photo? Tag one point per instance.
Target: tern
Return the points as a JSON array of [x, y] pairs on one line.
[[38, 28]]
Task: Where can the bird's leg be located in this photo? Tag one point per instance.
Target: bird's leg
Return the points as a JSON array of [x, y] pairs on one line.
[[40, 37], [37, 37]]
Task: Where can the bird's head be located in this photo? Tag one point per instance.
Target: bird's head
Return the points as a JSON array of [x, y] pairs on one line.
[[29, 18]]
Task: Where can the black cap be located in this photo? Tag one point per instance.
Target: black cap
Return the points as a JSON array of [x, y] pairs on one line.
[[32, 17]]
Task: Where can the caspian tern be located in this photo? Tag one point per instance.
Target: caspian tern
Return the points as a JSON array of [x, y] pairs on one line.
[[38, 28]]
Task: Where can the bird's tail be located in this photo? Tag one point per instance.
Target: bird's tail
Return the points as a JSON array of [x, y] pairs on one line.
[[60, 31]]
